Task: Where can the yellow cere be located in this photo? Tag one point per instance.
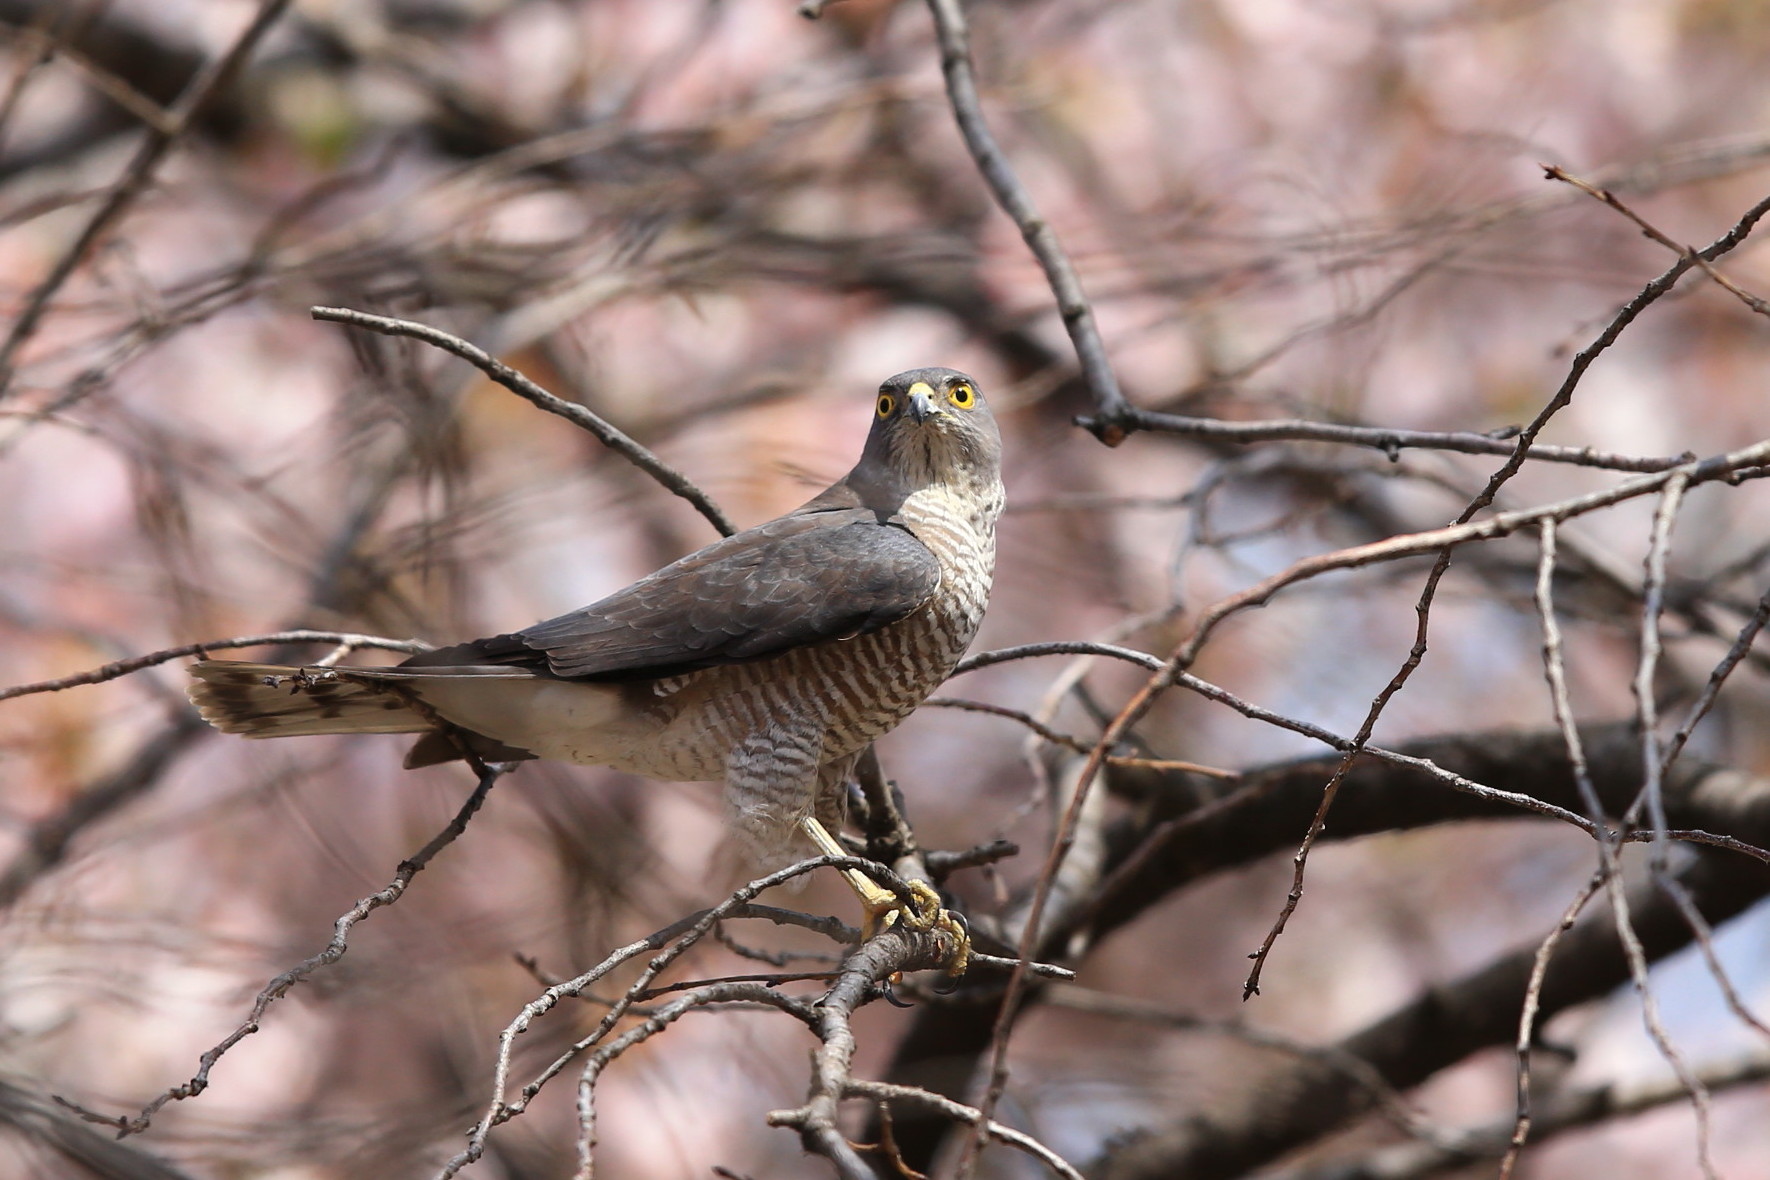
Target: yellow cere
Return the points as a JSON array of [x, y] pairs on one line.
[[923, 388]]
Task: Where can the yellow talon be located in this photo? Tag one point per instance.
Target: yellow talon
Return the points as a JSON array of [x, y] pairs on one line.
[[884, 909]]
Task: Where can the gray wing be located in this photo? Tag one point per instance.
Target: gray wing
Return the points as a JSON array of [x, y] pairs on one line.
[[797, 580]]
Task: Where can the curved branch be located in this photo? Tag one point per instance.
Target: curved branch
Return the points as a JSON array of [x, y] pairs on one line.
[[609, 435]]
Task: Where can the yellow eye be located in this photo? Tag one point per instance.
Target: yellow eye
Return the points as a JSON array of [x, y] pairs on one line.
[[887, 403], [962, 396]]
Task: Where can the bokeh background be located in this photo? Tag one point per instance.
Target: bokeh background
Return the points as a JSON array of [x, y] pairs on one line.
[[719, 225]]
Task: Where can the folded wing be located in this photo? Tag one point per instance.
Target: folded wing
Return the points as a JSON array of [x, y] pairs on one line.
[[802, 579]]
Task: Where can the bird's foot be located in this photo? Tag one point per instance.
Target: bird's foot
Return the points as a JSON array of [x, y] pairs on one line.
[[921, 914]]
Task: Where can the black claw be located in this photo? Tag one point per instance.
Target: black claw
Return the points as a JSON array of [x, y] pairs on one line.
[[891, 996]]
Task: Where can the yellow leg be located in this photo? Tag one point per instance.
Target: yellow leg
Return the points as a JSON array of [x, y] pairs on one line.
[[884, 908]]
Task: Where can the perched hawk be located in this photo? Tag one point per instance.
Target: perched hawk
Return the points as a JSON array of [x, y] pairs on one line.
[[769, 659]]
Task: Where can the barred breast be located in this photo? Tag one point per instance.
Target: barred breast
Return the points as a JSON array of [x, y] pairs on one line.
[[854, 690]]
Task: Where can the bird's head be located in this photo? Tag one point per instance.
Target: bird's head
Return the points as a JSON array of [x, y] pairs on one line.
[[933, 426]]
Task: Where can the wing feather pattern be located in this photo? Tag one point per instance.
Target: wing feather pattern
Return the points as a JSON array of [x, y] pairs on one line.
[[798, 580]]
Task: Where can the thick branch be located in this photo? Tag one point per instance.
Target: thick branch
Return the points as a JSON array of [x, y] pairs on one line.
[[1442, 1027], [1274, 805]]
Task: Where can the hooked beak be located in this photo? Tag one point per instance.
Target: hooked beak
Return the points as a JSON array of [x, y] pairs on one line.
[[922, 405]]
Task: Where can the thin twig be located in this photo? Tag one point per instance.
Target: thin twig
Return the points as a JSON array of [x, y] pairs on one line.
[[334, 950], [1653, 233], [1390, 441], [111, 671], [1647, 664], [1742, 644], [883, 1092], [720, 992], [667, 946], [1533, 998], [1066, 647], [1071, 742], [610, 436]]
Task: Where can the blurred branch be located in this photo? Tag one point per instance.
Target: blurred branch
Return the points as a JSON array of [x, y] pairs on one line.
[[136, 176], [46, 842], [118, 89], [1395, 1106], [35, 1120], [616, 440], [1109, 424]]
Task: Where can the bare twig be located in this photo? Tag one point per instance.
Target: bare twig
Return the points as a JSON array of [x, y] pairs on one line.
[[1647, 664], [723, 992], [345, 640], [957, 1111], [906, 951], [1742, 644], [334, 950], [984, 659], [1649, 231], [610, 436], [1533, 998], [1391, 442], [1070, 741], [1555, 671]]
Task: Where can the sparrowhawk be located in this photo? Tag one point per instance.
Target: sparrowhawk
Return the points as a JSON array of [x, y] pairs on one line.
[[770, 659]]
